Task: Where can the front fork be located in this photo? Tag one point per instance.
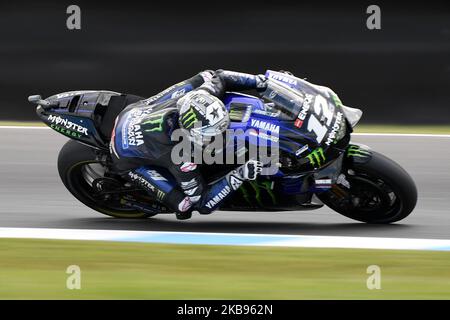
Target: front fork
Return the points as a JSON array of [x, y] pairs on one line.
[[334, 176]]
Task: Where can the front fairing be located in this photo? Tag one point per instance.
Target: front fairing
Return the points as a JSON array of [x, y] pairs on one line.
[[314, 117]]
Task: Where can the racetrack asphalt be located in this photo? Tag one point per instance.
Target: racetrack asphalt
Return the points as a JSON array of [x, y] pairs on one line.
[[32, 195]]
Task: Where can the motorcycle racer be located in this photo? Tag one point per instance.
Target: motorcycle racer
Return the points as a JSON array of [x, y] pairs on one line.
[[141, 141]]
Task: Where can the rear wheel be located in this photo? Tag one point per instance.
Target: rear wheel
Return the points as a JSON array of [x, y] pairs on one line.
[[80, 171], [377, 191]]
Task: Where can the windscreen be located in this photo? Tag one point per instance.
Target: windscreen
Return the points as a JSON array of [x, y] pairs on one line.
[[286, 100]]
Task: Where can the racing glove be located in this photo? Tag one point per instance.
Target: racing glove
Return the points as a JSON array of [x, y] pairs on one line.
[[250, 170]]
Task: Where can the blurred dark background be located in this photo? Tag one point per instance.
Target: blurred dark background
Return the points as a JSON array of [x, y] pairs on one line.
[[399, 74]]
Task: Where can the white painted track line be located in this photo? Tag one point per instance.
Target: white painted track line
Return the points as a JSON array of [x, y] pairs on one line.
[[235, 239]]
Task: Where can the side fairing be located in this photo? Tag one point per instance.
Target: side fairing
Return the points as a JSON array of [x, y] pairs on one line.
[[306, 124]]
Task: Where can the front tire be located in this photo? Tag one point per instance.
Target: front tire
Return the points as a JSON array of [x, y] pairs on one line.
[[379, 191], [73, 162]]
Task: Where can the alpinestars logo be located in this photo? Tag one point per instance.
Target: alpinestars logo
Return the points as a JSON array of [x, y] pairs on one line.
[[221, 195], [235, 182], [316, 158]]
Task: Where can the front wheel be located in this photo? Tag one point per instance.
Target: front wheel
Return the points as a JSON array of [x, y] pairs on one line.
[[375, 191]]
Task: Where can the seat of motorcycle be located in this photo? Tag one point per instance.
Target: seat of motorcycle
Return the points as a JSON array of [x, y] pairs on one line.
[[115, 106]]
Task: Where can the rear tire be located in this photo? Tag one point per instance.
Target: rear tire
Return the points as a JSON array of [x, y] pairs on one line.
[[390, 192], [72, 158]]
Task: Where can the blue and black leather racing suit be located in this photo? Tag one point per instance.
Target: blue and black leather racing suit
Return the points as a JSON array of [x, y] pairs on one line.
[[141, 145]]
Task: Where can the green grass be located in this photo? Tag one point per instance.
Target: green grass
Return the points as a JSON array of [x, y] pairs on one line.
[[36, 269], [22, 123], [368, 128]]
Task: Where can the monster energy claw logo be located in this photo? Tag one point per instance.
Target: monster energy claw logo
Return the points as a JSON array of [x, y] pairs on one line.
[[257, 187], [316, 158], [336, 100], [189, 118], [154, 120], [357, 151]]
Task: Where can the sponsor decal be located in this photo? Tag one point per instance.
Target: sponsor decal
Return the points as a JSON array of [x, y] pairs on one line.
[[155, 175], [336, 126], [283, 78], [304, 110], [301, 150], [217, 198], [336, 100], [235, 182], [141, 181], [160, 195], [244, 78], [132, 135], [69, 94], [188, 167], [189, 118], [264, 135], [146, 184], [323, 183], [356, 151], [267, 113], [178, 93], [72, 127], [317, 157], [66, 132], [267, 126], [256, 192], [155, 121]]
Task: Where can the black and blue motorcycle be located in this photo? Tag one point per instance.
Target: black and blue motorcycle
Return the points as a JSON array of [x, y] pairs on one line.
[[318, 164]]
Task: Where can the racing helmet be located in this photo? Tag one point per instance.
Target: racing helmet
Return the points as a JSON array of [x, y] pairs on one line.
[[203, 115]]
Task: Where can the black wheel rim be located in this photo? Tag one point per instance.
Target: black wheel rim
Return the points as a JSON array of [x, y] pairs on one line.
[[368, 199]]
